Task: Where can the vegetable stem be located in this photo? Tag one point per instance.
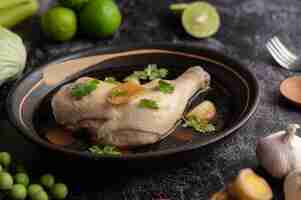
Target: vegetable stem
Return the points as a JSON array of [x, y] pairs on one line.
[[291, 131], [13, 16], [11, 3]]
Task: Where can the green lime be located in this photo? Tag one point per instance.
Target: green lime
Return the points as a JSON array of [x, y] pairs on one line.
[[178, 8], [201, 20], [18, 192], [100, 18], [59, 23]]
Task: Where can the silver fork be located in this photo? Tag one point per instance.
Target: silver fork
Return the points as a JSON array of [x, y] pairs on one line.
[[283, 55]]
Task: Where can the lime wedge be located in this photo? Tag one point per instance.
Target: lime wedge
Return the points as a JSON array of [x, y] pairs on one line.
[[201, 20], [178, 8]]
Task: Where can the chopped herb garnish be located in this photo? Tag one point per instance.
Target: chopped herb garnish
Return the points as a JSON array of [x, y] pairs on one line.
[[166, 87], [104, 150], [152, 72], [111, 80], [137, 75], [140, 75], [118, 93], [148, 103], [83, 89], [131, 78], [202, 126]]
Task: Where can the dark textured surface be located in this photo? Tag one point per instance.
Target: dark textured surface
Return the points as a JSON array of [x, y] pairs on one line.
[[246, 24]]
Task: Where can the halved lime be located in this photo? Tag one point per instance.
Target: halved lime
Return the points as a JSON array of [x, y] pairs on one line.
[[201, 20], [178, 8]]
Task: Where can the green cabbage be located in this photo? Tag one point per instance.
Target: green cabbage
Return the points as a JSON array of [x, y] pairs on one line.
[[12, 55]]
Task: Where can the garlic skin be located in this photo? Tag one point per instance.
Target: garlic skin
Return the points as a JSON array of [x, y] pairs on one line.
[[280, 153], [292, 185]]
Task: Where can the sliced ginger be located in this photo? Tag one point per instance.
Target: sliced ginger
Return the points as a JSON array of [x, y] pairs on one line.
[[122, 93], [249, 186]]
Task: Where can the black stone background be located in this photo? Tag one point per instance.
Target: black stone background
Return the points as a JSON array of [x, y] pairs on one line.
[[246, 25]]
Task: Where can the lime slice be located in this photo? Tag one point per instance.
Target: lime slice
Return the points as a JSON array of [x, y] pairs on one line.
[[178, 8], [201, 20]]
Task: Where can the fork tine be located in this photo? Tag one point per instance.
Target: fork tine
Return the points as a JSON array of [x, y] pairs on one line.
[[283, 49], [283, 56], [276, 56], [294, 56], [280, 54]]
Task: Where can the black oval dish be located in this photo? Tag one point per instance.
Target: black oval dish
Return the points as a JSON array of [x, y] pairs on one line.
[[234, 90]]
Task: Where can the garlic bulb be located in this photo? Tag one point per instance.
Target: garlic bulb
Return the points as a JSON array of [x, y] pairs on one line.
[[280, 153], [292, 185]]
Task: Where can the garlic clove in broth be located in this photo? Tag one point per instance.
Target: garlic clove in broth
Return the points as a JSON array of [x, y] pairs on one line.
[[292, 185], [280, 153]]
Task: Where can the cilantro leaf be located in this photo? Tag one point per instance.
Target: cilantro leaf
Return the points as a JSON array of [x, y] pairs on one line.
[[166, 87], [118, 93], [104, 150], [132, 79], [140, 75], [151, 72], [148, 103], [198, 125], [83, 89], [163, 72]]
